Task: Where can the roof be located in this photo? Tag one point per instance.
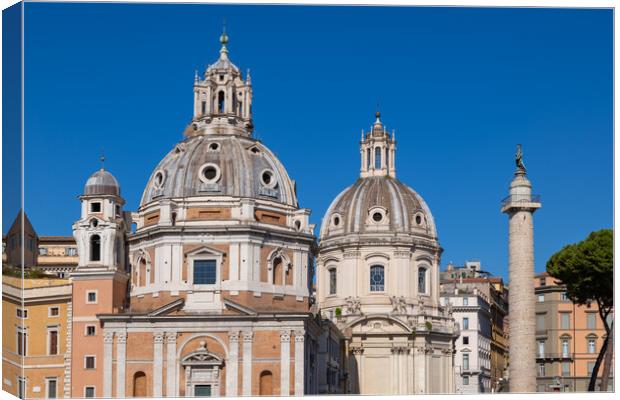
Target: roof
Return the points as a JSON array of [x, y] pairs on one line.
[[102, 182]]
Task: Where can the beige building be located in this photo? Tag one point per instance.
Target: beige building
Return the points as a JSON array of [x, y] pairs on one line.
[[36, 340], [568, 338], [378, 280]]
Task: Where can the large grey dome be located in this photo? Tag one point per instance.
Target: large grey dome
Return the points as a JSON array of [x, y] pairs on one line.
[[375, 204], [220, 165], [102, 182]]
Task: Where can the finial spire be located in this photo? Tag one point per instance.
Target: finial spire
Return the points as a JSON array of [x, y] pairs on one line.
[[224, 36], [102, 158]]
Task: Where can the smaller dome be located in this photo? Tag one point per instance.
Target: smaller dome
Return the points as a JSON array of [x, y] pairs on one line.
[[102, 182]]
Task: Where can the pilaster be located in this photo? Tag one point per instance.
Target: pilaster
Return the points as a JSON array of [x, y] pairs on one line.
[[232, 373], [158, 348], [248, 338], [171, 365], [285, 362], [300, 341], [108, 343], [121, 342]]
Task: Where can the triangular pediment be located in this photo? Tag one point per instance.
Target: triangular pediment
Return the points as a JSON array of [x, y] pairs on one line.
[[205, 251], [168, 308]]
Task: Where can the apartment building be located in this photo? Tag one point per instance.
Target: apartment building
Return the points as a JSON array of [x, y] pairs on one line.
[[569, 338]]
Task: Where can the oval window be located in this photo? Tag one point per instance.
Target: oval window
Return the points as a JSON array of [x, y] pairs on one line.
[[159, 179], [377, 217], [418, 219], [209, 173], [214, 146], [336, 220]]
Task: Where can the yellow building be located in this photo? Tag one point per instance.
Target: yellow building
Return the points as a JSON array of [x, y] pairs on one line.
[[35, 322]]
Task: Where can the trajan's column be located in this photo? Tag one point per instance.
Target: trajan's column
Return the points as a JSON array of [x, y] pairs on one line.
[[520, 206]]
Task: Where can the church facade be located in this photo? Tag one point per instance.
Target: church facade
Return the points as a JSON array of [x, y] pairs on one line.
[[208, 288], [378, 280], [210, 296]]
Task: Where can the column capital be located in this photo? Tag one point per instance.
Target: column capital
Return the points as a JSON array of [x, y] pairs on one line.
[[233, 336], [158, 337], [300, 335], [121, 337], [248, 336], [171, 337], [285, 335], [108, 337]]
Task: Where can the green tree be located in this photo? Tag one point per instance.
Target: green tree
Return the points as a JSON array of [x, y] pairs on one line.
[[586, 268]]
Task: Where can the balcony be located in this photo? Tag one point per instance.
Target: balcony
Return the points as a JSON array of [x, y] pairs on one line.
[[551, 357], [521, 200]]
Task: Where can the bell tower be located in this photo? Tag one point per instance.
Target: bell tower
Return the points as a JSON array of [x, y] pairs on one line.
[[222, 99], [377, 151], [100, 279]]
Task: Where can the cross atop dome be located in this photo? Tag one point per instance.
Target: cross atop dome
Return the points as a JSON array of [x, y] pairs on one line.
[[222, 99]]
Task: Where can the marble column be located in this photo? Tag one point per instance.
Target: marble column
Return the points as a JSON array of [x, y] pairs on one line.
[[121, 342], [520, 207], [419, 365], [158, 349], [248, 337], [108, 343], [285, 362], [171, 364], [232, 372], [300, 354]]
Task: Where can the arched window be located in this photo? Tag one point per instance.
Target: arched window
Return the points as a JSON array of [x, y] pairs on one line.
[[220, 102], [387, 158], [277, 271], [421, 280], [367, 158], [377, 157], [377, 278], [142, 272], [95, 248], [332, 281], [266, 384], [139, 384]]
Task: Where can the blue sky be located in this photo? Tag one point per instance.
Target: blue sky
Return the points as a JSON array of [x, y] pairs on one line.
[[461, 87]]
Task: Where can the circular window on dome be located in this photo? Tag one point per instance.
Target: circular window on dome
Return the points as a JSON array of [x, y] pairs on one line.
[[159, 179], [336, 220], [418, 219], [377, 215], [209, 173], [267, 178], [214, 147]]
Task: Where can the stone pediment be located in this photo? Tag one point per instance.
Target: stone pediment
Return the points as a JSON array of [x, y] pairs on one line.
[[206, 251], [378, 325]]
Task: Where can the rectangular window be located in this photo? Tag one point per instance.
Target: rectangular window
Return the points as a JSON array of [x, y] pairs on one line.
[[90, 330], [95, 207], [465, 339], [203, 108], [21, 387], [52, 342], [564, 296], [564, 347], [543, 281], [71, 251], [332, 281], [541, 348], [91, 297], [465, 301], [22, 341], [42, 251], [51, 388], [540, 322], [465, 380], [541, 369], [204, 272], [53, 311], [466, 362], [591, 320], [89, 391], [89, 362], [465, 323], [590, 367], [565, 320], [591, 346], [541, 298], [21, 313], [565, 369]]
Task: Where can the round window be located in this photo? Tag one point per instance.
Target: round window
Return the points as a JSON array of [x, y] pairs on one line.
[[214, 146], [159, 178], [267, 178], [418, 219], [209, 173], [377, 217]]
